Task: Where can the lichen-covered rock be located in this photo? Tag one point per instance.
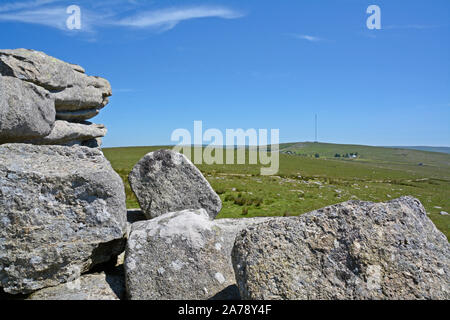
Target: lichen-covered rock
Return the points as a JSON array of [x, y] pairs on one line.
[[62, 211], [26, 111], [353, 250], [97, 286], [69, 134], [77, 96], [182, 255], [166, 181]]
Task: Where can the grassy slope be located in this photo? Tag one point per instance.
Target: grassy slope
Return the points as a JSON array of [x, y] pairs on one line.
[[305, 183]]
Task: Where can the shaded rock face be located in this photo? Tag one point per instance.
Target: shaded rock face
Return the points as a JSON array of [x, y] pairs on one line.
[[26, 110], [98, 286], [62, 211], [354, 250], [166, 181], [77, 96], [182, 255], [68, 133]]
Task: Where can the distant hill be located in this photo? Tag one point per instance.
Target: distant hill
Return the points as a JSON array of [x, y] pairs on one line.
[[425, 148], [386, 156]]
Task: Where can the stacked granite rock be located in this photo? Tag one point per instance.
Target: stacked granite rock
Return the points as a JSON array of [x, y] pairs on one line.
[[62, 206], [47, 101]]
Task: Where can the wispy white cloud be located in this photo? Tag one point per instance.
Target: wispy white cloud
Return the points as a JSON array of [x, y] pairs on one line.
[[307, 37], [19, 5], [56, 17], [109, 14], [166, 19], [51, 17]]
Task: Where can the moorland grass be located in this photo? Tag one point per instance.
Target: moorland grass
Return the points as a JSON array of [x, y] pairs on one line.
[[306, 183]]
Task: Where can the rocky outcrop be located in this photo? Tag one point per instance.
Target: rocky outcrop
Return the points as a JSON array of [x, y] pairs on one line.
[[353, 250], [182, 255], [36, 89], [69, 134], [62, 211], [166, 181], [97, 286], [26, 110], [76, 95]]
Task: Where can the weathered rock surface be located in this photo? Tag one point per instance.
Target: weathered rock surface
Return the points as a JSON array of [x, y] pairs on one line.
[[77, 96], [166, 181], [62, 211], [182, 255], [69, 133], [97, 286], [353, 250], [26, 110]]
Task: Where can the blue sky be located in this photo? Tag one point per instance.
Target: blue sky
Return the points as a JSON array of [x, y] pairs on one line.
[[254, 64]]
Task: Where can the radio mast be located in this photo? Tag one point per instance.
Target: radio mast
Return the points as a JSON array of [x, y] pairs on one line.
[[315, 129]]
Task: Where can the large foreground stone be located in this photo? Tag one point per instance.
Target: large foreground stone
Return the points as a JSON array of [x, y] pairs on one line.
[[97, 286], [62, 210], [26, 111], [182, 255], [77, 96], [166, 181], [353, 250]]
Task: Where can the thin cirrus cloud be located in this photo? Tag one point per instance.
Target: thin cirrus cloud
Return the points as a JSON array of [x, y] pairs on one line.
[[18, 5], [167, 19], [51, 17], [307, 37], [48, 13]]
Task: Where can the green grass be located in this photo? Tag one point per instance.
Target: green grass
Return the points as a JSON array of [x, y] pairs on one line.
[[305, 183]]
